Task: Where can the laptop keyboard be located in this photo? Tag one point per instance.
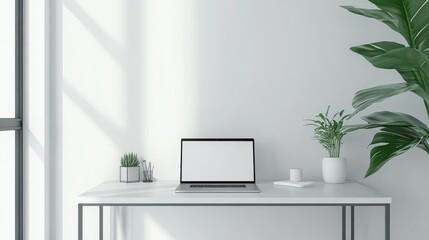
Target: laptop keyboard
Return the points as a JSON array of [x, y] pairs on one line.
[[218, 186]]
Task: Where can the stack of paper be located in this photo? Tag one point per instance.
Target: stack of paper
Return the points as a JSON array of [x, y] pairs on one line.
[[293, 184]]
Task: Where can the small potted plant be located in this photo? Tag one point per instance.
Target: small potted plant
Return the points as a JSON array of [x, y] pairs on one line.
[[130, 168], [329, 131]]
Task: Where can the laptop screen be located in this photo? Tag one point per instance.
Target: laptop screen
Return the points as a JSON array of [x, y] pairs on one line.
[[217, 160]]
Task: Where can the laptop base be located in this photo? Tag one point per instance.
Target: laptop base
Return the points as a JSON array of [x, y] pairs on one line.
[[217, 188]]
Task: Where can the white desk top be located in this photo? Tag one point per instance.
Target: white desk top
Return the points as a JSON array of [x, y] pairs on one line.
[[162, 192]]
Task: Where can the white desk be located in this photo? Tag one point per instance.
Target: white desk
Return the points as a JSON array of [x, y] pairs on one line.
[[162, 194]]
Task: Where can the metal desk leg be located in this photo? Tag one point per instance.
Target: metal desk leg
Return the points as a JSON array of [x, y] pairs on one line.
[[80, 213], [387, 221], [344, 222], [352, 222], [100, 222]]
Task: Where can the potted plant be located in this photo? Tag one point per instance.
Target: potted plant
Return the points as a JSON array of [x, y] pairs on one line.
[[329, 132], [398, 132], [130, 168]]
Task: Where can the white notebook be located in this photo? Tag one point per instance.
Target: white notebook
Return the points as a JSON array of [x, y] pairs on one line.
[[288, 183]]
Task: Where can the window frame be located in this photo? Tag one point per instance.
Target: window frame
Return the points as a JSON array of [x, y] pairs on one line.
[[15, 124]]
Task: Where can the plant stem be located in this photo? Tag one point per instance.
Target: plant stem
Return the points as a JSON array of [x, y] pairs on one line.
[[334, 151]]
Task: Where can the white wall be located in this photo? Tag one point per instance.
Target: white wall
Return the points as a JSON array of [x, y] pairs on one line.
[[36, 160], [139, 75]]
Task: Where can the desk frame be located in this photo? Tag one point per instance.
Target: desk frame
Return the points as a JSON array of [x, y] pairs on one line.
[[343, 207]]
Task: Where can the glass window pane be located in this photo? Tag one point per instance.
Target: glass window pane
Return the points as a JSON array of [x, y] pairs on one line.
[[7, 58], [7, 185]]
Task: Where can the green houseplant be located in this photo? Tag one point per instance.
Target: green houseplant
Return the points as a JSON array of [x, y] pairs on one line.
[[398, 132], [129, 171], [329, 132]]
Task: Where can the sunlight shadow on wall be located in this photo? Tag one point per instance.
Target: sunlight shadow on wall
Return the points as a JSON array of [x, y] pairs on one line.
[[114, 47], [96, 130], [35, 144], [116, 133], [154, 228], [169, 87], [129, 74]]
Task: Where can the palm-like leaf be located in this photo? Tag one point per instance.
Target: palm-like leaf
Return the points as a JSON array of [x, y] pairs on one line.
[[391, 142], [407, 17], [413, 20], [402, 59], [376, 49], [367, 97], [394, 119], [399, 132], [412, 64]]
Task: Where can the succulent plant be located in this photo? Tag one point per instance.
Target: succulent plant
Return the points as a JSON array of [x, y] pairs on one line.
[[130, 160]]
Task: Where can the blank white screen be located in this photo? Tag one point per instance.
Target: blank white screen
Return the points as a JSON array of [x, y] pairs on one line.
[[213, 161]]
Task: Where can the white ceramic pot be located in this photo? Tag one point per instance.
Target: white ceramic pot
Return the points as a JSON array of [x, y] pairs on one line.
[[129, 174], [334, 170]]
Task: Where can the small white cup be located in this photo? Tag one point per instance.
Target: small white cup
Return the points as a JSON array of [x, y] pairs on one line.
[[295, 175]]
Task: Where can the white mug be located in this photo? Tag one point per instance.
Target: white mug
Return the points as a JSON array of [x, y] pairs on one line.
[[295, 175]]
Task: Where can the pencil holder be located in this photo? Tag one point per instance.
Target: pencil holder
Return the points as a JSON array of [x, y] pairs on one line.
[[147, 171], [148, 176]]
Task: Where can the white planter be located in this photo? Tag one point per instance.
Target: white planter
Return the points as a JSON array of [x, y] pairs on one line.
[[334, 170], [129, 174]]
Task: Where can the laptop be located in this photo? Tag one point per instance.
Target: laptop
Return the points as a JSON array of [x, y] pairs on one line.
[[217, 165]]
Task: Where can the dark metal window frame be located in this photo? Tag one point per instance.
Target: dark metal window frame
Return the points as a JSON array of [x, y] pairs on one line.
[[15, 124]]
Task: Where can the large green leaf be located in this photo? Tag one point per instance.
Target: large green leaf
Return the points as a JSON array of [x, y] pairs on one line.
[[391, 142], [367, 97], [375, 49], [399, 132], [387, 119], [411, 19], [411, 15], [397, 135], [402, 59], [410, 63]]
